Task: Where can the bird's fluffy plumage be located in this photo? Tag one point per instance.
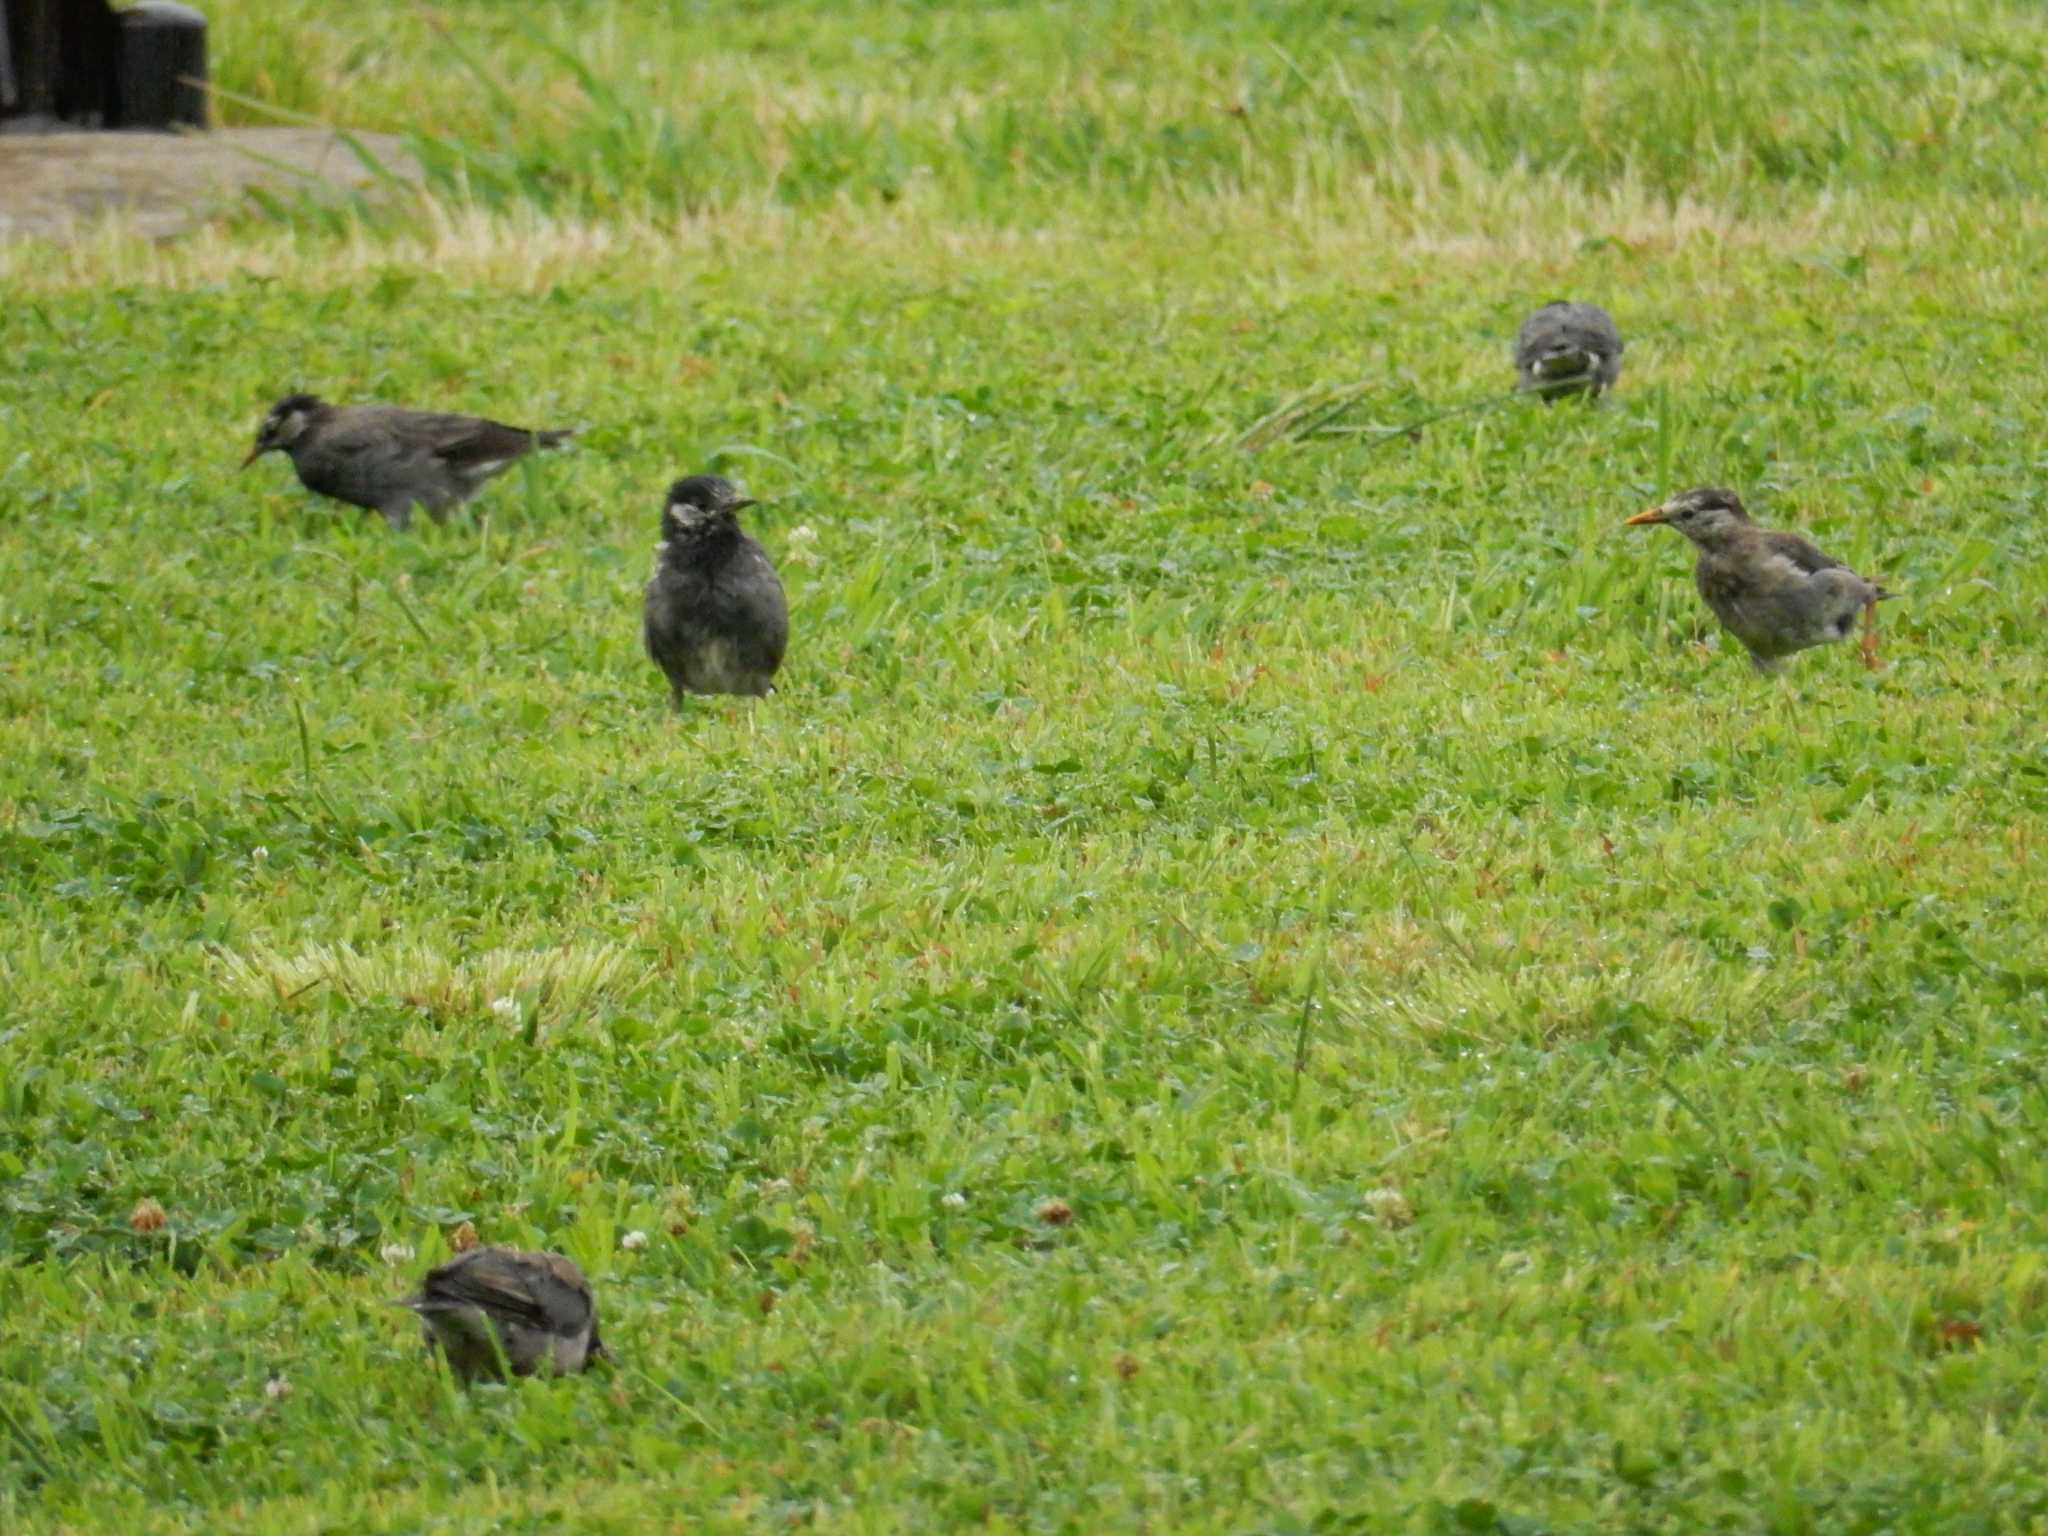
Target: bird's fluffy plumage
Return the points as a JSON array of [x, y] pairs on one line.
[[1774, 591], [1567, 349], [389, 459], [490, 1309], [715, 619]]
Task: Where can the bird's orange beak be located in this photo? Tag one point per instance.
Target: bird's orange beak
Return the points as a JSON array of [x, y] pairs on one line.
[[1653, 515], [254, 454]]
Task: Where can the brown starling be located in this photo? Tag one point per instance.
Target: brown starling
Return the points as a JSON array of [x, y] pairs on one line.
[[1774, 591], [493, 1309], [387, 458]]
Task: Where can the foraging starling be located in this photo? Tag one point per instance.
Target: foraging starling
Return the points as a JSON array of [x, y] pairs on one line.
[[490, 1308], [716, 620], [1567, 349], [386, 458], [1775, 592]]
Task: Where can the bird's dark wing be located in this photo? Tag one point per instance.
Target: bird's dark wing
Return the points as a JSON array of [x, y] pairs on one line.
[[461, 442], [1599, 327], [563, 1293], [352, 431], [468, 441], [542, 1290], [1803, 556], [759, 589]]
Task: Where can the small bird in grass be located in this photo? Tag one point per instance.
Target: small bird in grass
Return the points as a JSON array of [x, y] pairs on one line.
[[716, 620], [387, 458], [1774, 591], [1567, 349], [493, 1309]]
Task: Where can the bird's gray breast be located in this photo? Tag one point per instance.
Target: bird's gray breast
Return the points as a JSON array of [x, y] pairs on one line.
[[1772, 607], [713, 666], [572, 1350]]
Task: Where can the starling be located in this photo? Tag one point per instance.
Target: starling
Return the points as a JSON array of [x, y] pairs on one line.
[[1567, 349], [386, 458], [491, 1308], [1775, 592], [716, 620]]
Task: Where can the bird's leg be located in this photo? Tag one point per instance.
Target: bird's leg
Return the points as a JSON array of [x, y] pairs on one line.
[[1869, 645]]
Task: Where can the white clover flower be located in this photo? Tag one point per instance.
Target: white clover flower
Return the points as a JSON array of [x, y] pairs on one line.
[[505, 1007], [396, 1253], [800, 545], [1390, 1207], [633, 1241], [953, 1200]]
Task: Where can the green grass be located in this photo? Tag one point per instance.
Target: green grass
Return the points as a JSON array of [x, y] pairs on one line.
[[1014, 110], [1509, 1068]]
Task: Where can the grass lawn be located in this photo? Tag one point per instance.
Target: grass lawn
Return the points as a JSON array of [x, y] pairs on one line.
[[1290, 988]]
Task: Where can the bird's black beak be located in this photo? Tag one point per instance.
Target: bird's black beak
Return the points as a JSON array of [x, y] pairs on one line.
[[741, 504], [254, 454]]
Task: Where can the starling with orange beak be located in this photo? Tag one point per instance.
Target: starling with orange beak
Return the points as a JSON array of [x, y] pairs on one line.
[[1774, 591]]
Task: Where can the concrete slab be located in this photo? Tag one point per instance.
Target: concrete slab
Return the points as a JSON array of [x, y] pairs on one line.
[[57, 185]]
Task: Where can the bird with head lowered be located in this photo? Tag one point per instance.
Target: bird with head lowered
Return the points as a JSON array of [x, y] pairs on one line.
[[388, 459], [493, 1310], [1567, 349]]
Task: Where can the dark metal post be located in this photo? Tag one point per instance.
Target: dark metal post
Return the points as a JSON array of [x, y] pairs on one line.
[[160, 76], [82, 64]]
